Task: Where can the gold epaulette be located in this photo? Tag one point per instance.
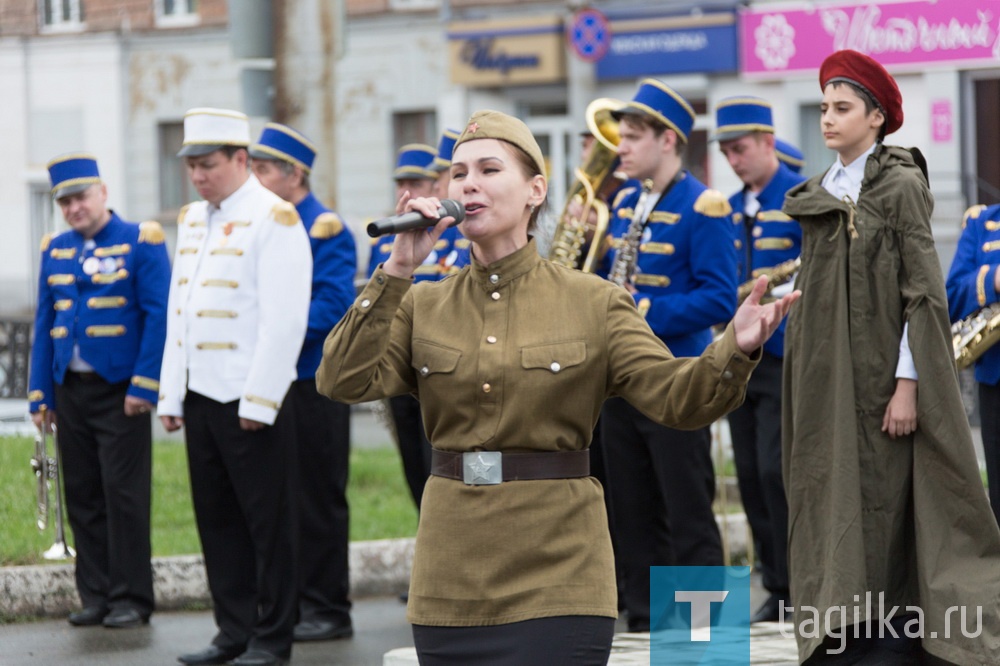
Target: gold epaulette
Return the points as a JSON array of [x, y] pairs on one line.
[[621, 195], [181, 215], [46, 239], [327, 225], [151, 232], [285, 214], [773, 216], [712, 203], [971, 212]]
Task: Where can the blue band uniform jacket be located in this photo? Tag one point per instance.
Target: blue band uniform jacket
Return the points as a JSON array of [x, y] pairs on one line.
[[334, 266], [770, 239], [450, 253], [517, 356], [110, 300], [239, 303], [972, 279], [686, 277]]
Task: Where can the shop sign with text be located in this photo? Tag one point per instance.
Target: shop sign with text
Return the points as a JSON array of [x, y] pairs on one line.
[[491, 53]]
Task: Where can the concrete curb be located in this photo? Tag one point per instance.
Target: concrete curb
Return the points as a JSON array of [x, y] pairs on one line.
[[378, 568]]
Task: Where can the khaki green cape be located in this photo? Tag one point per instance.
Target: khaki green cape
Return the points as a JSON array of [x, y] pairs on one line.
[[906, 517]]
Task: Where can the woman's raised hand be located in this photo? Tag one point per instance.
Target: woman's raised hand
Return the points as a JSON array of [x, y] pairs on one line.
[[411, 248]]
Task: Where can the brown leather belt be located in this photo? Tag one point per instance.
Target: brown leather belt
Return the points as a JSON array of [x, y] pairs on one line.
[[492, 467]]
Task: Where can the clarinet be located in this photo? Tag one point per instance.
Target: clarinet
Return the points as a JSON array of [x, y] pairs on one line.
[[624, 265]]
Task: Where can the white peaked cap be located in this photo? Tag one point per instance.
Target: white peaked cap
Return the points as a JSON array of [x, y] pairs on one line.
[[206, 130]]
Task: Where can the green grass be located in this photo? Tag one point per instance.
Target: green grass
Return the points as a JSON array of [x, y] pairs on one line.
[[380, 502]]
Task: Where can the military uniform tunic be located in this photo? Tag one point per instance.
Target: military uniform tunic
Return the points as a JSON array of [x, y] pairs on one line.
[[517, 356]]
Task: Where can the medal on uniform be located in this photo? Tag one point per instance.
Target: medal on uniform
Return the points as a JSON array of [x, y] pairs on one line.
[[108, 265], [91, 265], [227, 229]]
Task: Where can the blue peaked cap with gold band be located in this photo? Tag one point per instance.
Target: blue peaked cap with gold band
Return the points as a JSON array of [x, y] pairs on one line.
[[446, 145], [281, 142], [790, 155], [736, 117], [72, 173], [415, 161], [660, 101]]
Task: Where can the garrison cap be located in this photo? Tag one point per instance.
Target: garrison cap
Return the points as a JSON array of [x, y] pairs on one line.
[[72, 173], [414, 161], [281, 142], [866, 73], [488, 124], [790, 155], [658, 100], [736, 117], [207, 130], [445, 146]]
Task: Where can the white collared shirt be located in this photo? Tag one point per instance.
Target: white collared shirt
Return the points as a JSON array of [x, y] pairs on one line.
[[845, 181], [841, 180]]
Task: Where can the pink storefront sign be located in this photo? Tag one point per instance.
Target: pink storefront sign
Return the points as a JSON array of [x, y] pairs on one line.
[[782, 38], [942, 121]]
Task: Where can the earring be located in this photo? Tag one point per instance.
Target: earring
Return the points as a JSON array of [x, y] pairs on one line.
[[531, 209]]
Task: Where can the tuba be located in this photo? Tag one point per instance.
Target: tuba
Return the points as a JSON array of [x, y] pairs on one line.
[[573, 232], [973, 336], [46, 469]]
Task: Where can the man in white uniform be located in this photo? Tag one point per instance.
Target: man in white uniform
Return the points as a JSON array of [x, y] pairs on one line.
[[237, 314]]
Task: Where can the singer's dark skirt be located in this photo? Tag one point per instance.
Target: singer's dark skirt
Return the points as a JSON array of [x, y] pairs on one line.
[[572, 640]]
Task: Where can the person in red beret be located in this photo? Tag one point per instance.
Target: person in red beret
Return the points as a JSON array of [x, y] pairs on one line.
[[891, 533]]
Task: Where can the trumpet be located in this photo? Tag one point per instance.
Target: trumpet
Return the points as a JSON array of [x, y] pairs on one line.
[[574, 232], [46, 469]]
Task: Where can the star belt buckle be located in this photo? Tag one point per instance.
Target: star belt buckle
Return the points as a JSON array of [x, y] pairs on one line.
[[482, 468]]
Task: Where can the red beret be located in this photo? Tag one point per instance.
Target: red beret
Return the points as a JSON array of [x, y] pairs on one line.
[[870, 76]]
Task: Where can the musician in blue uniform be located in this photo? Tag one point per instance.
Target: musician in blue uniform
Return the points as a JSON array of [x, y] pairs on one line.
[[661, 480], [416, 173], [789, 155], [764, 237], [95, 368], [459, 255], [320, 428], [974, 283]]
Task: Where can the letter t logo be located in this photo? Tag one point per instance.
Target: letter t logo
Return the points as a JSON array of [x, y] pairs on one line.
[[701, 610]]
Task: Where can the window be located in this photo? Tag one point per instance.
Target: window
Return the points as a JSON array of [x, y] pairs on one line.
[[60, 15], [414, 127], [175, 186], [173, 13]]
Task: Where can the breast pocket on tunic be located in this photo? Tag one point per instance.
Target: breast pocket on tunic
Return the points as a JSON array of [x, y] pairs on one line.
[[430, 359], [554, 357]]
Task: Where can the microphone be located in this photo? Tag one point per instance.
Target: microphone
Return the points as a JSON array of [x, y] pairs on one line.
[[415, 220]]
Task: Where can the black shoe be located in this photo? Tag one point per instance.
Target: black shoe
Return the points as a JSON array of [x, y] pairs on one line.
[[213, 654], [257, 657], [89, 616], [322, 630], [770, 610], [124, 618]]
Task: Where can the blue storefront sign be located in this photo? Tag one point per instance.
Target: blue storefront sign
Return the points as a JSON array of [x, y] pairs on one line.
[[671, 45]]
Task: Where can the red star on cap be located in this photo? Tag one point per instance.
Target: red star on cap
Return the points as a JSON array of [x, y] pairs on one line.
[[473, 128]]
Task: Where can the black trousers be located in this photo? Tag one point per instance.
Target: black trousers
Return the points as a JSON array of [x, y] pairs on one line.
[[989, 415], [572, 640], [756, 432], [106, 460], [241, 483], [321, 430], [414, 447], [662, 486]]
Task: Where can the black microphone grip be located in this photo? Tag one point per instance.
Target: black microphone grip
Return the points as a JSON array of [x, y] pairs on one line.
[[415, 220]]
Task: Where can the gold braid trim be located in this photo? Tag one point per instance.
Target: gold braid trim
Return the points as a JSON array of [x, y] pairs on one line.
[[284, 214], [151, 232], [326, 225], [712, 203]]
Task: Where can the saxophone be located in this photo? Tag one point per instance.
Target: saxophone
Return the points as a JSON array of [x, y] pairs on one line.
[[624, 266], [973, 336], [572, 234], [776, 276]]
